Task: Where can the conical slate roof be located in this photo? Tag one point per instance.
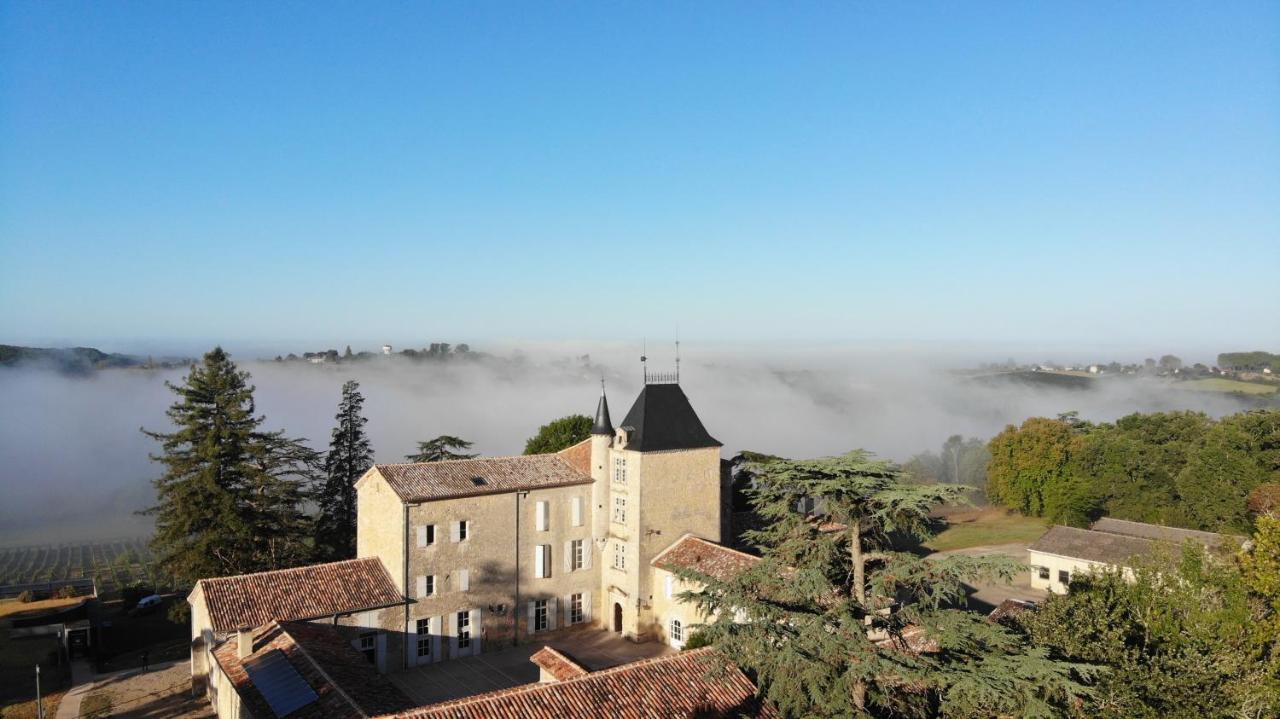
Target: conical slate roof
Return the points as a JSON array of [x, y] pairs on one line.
[[663, 419], [602, 425]]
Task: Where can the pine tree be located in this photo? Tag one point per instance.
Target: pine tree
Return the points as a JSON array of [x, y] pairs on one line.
[[349, 456], [286, 471], [834, 622], [200, 530], [441, 449]]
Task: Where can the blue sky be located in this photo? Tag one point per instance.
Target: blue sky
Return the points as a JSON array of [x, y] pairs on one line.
[[1010, 175]]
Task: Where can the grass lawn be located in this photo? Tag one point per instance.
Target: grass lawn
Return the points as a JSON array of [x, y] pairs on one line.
[[27, 709], [13, 606], [1217, 384], [975, 527]]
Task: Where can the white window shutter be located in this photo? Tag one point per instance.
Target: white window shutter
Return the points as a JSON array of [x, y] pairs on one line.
[[586, 606], [476, 632], [577, 511], [567, 607], [568, 557], [588, 547], [437, 631], [422, 586], [551, 613], [540, 516], [464, 580], [422, 536], [539, 568], [453, 635], [671, 584], [530, 625], [546, 559], [454, 532]]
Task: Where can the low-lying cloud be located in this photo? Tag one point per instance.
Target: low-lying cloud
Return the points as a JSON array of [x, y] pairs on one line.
[[73, 464]]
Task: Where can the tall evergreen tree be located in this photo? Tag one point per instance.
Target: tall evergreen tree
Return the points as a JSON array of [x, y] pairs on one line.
[[349, 456], [440, 449], [834, 623], [287, 471], [208, 461]]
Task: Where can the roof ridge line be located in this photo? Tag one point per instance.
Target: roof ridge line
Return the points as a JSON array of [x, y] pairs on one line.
[[291, 569], [534, 686]]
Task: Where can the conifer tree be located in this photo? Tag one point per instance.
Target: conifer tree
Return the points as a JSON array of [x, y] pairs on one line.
[[834, 622], [349, 456], [200, 530], [440, 449], [286, 472]]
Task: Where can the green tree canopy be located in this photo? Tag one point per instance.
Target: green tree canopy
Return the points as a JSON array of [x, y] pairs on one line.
[[228, 488], [441, 448], [559, 434], [1189, 638], [822, 620]]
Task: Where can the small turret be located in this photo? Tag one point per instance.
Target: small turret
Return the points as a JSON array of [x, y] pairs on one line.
[[603, 424]]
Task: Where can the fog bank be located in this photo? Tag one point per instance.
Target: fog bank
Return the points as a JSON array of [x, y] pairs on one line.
[[73, 464]]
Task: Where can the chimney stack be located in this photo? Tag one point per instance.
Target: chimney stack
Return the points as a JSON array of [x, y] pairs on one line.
[[244, 643]]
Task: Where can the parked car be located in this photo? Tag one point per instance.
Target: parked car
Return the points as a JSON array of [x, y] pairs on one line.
[[147, 604]]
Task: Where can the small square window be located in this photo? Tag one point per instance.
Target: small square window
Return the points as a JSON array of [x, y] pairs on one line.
[[1043, 572], [1064, 577]]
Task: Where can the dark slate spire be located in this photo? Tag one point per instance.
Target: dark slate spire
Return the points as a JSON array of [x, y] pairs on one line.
[[602, 425]]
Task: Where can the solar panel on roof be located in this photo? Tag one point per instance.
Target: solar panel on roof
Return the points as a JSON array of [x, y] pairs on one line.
[[279, 683]]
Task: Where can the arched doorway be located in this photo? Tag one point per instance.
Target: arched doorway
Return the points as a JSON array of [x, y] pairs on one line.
[[617, 617]]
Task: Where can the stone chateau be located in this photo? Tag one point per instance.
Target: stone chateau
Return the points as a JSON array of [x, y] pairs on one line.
[[462, 558]]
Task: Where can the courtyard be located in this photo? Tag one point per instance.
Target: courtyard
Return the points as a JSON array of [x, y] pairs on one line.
[[594, 648]]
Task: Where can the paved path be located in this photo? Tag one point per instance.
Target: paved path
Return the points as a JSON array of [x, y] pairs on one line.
[[84, 681]]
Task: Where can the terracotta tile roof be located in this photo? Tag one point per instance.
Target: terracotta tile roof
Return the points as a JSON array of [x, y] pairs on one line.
[[252, 600], [1102, 547], [1010, 607], [698, 555], [1156, 531], [697, 683], [346, 685], [578, 456], [557, 664], [426, 481]]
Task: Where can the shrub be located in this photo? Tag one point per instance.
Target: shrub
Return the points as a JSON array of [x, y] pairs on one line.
[[696, 640], [66, 592], [27, 597], [96, 706], [132, 594]]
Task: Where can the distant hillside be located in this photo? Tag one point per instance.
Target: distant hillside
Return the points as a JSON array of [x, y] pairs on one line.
[[74, 360]]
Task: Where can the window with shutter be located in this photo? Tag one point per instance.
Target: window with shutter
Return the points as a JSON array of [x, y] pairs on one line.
[[576, 613], [540, 617], [431, 586], [540, 516]]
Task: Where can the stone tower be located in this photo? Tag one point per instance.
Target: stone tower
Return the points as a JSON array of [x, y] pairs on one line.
[[657, 478]]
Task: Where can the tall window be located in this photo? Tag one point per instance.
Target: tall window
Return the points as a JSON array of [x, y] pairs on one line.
[[540, 615], [464, 528], [619, 470], [619, 556], [677, 631], [575, 609], [464, 630], [431, 586], [620, 510], [576, 556], [424, 637]]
